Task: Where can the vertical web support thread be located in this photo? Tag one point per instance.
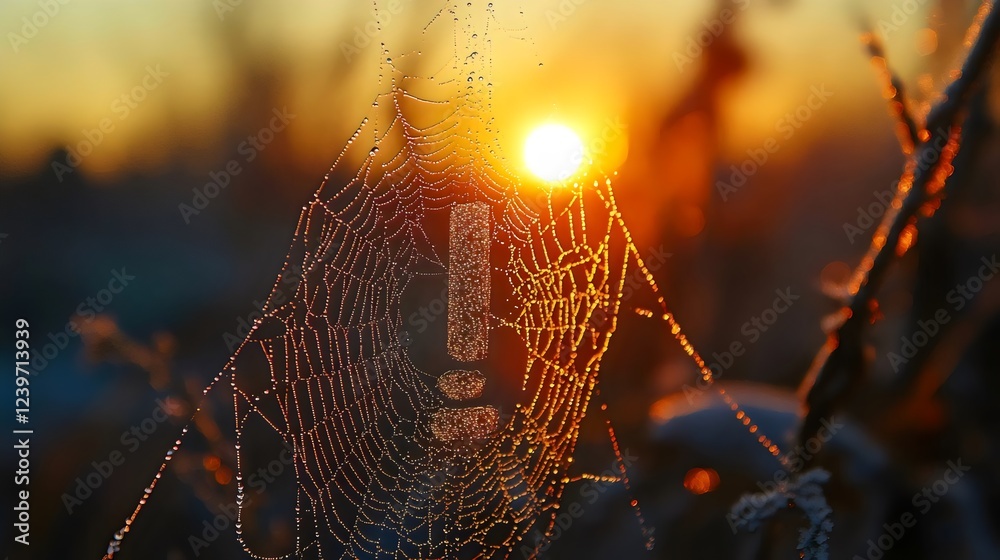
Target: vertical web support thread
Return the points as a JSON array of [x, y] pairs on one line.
[[706, 373], [469, 281], [647, 531]]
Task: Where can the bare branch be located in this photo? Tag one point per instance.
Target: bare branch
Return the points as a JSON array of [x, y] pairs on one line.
[[907, 129], [840, 365]]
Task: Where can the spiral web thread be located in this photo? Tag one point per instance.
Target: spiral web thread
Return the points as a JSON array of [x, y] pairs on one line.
[[372, 479]]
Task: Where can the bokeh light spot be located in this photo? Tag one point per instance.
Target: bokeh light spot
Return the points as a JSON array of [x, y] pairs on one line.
[[701, 481]]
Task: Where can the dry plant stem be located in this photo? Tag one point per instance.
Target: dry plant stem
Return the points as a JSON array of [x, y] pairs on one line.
[[839, 366], [974, 134], [908, 130]]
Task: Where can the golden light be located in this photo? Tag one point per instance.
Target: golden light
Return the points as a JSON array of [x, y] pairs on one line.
[[211, 462], [701, 481], [926, 41], [553, 152], [224, 475]]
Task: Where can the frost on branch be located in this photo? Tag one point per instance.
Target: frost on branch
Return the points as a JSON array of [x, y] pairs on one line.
[[805, 493]]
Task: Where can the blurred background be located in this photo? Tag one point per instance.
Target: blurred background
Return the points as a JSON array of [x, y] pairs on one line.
[[114, 115]]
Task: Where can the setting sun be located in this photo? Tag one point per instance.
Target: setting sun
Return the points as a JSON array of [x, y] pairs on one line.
[[553, 152]]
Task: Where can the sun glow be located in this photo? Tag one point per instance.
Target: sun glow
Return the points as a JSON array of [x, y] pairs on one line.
[[553, 152]]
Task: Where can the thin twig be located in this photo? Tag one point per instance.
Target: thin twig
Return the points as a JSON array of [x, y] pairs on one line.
[[839, 366], [908, 131]]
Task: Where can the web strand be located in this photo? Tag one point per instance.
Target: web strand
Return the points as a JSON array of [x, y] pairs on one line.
[[384, 466]]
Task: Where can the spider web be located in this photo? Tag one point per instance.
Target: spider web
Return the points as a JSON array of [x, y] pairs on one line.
[[378, 473]]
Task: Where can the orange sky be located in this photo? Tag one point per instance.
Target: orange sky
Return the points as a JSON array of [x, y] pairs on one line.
[[603, 62]]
